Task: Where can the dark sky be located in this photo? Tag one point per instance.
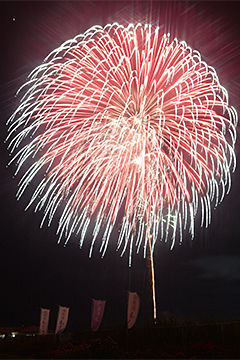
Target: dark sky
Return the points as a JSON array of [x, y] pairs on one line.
[[200, 277]]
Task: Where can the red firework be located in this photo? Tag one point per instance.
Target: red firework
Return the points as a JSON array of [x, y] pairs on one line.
[[127, 123]]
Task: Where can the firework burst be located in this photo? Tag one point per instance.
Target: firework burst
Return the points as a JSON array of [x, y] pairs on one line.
[[128, 126]]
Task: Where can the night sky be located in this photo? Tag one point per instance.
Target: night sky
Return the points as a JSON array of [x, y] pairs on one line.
[[198, 278]]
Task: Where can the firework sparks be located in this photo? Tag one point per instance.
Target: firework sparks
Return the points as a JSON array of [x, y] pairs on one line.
[[124, 121]]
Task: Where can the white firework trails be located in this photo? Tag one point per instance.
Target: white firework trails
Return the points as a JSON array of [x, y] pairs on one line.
[[129, 126]]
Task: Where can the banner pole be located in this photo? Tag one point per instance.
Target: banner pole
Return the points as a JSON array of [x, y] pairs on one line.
[[129, 287], [127, 322]]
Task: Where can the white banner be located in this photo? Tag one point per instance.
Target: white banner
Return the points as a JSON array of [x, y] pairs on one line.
[[62, 319], [43, 328], [133, 308], [97, 313]]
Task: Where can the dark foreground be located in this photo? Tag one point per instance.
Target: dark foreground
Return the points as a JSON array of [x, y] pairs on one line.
[[164, 340], [110, 349]]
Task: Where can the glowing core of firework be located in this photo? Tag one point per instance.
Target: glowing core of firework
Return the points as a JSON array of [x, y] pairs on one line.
[[124, 120]]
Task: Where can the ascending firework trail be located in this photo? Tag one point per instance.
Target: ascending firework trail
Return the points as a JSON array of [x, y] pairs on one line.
[[124, 125]]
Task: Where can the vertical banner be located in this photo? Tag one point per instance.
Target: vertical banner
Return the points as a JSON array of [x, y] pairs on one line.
[[62, 319], [133, 308], [43, 328], [97, 313]]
